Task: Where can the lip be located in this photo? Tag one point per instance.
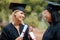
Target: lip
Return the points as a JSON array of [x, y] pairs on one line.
[[21, 18]]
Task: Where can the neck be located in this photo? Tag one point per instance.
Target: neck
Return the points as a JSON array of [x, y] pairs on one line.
[[16, 22]]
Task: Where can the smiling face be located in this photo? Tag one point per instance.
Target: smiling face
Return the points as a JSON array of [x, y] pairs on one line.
[[47, 15], [19, 15]]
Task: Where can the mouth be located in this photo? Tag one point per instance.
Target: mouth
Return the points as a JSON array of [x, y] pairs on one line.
[[21, 18]]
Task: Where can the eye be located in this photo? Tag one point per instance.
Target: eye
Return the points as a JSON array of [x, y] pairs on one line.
[[22, 13]]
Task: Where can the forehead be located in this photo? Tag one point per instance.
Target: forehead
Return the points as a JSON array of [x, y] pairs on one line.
[[46, 12], [19, 11]]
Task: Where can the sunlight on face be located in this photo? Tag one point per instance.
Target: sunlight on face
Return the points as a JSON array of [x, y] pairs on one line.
[[20, 15], [47, 15]]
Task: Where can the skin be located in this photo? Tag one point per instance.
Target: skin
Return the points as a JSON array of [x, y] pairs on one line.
[[19, 16], [47, 15]]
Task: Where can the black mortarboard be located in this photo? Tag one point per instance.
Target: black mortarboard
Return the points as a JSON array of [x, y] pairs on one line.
[[53, 6], [17, 6], [54, 9]]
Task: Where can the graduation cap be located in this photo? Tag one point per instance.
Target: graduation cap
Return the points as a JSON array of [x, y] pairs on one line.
[[17, 6], [53, 6]]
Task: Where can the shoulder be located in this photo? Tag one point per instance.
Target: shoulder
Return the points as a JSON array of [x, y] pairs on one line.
[[6, 27], [57, 26]]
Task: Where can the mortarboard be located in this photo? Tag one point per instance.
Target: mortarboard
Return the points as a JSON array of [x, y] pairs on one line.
[[17, 6], [54, 9], [53, 6]]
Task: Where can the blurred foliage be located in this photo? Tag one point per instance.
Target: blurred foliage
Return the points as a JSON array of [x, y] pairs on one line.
[[33, 10]]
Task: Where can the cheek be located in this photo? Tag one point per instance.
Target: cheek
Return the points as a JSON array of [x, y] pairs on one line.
[[48, 16], [18, 15]]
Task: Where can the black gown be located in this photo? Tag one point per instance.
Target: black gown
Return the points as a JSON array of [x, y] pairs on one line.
[[53, 31], [10, 32]]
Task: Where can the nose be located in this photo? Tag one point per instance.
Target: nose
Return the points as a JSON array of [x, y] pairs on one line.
[[23, 15]]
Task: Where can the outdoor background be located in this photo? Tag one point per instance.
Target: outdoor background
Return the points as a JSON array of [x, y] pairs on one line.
[[34, 17]]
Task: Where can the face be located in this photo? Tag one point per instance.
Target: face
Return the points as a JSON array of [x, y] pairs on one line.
[[47, 15], [20, 15]]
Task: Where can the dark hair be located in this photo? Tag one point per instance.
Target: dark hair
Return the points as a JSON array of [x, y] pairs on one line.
[[55, 16]]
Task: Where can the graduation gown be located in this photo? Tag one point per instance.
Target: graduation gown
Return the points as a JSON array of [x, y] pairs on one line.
[[52, 32], [10, 32]]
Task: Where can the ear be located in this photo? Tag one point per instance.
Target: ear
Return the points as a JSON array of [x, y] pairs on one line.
[[15, 12]]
